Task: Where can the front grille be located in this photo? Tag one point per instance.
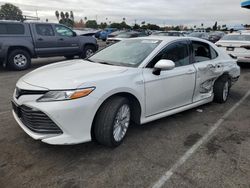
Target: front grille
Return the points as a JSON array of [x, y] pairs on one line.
[[36, 120]]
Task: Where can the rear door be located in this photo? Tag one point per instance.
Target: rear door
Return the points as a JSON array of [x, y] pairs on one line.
[[68, 42], [208, 68], [45, 40]]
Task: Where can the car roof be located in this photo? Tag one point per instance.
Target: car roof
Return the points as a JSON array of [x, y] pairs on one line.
[[168, 39], [239, 33]]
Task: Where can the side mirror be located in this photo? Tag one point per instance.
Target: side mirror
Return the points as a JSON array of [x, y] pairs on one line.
[[74, 34], [163, 64]]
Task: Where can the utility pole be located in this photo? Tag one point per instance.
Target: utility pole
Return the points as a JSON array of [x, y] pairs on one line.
[[36, 14]]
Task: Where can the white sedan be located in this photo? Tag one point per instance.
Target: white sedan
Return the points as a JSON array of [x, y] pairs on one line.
[[238, 45], [139, 80]]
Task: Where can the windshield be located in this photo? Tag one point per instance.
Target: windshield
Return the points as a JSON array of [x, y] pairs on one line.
[[167, 34], [124, 35], [130, 53], [237, 37]]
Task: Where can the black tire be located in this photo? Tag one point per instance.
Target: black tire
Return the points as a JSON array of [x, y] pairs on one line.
[[105, 121], [219, 89], [86, 49], [69, 57], [13, 60]]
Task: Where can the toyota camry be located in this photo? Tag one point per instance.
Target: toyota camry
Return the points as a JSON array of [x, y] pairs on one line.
[[137, 80]]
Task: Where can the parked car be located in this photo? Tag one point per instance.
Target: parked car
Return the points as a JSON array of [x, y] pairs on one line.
[[104, 34], [114, 34], [237, 45], [139, 80], [201, 35], [169, 33], [215, 36], [125, 36], [19, 42], [87, 32]]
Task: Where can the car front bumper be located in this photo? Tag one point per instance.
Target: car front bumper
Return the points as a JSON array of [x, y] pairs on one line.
[[73, 117]]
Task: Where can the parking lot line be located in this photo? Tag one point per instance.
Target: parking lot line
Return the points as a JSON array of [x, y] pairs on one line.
[[4, 112], [168, 174]]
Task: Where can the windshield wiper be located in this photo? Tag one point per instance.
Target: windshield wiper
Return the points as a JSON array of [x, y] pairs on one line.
[[105, 63], [89, 60]]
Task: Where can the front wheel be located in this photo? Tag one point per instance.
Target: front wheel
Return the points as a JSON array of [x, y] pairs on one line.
[[112, 121], [221, 89]]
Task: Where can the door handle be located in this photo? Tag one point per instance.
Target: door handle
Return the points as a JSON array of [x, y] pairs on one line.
[[190, 71], [61, 39], [40, 39]]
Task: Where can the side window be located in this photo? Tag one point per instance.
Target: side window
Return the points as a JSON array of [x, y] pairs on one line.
[[3, 29], [214, 54], [177, 52], [201, 51], [12, 29], [63, 31], [44, 30]]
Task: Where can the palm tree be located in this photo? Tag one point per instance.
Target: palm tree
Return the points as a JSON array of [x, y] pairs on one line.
[[57, 14], [71, 15], [67, 15], [62, 16]]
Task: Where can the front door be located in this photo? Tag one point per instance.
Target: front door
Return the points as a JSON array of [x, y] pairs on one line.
[[172, 88], [68, 43]]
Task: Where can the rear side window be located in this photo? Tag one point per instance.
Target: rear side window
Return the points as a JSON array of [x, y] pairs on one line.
[[203, 52], [44, 30], [11, 29]]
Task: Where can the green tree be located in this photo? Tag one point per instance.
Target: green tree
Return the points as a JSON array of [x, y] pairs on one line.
[[103, 25], [215, 27], [66, 20], [91, 24], [11, 12], [153, 27], [136, 26]]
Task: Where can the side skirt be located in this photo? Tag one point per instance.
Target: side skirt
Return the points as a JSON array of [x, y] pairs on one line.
[[176, 110]]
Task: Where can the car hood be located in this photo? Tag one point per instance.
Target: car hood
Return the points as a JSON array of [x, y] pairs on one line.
[[70, 74]]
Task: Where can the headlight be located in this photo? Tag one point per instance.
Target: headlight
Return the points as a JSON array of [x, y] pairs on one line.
[[65, 95]]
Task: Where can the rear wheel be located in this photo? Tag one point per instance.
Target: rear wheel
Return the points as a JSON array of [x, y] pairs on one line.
[[221, 89], [88, 51], [19, 59], [112, 121]]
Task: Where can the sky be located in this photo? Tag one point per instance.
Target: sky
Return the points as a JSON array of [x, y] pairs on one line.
[[161, 12]]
